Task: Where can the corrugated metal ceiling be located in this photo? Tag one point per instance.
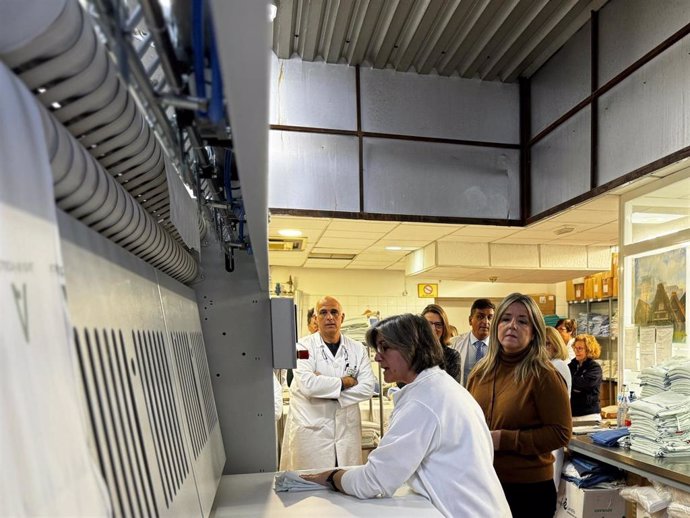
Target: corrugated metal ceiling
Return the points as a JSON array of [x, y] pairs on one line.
[[495, 40]]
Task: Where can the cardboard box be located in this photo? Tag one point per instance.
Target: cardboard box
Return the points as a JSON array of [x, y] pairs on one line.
[[573, 502], [546, 302], [589, 287], [569, 290], [597, 292], [607, 286], [615, 287], [579, 291], [614, 264]]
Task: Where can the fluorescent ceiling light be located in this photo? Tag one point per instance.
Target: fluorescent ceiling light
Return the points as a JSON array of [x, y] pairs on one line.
[[653, 218], [290, 232], [399, 248]]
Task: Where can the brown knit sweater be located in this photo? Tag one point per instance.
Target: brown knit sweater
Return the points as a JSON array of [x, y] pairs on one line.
[[534, 419]]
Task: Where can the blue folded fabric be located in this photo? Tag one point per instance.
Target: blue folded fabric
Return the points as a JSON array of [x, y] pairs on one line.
[[609, 437], [591, 472]]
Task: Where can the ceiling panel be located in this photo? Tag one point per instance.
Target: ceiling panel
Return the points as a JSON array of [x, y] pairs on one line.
[[415, 231], [356, 225], [344, 243], [326, 263], [484, 231], [491, 39]]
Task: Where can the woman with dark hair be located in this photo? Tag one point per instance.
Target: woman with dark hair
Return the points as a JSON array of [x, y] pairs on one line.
[[525, 403], [438, 320], [437, 441]]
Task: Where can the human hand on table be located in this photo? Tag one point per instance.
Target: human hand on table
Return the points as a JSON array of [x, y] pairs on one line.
[[319, 478]]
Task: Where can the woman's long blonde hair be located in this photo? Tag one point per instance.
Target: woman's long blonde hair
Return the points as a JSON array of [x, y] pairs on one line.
[[557, 340], [536, 359]]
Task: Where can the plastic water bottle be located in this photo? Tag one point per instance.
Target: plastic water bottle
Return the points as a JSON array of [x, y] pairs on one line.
[[622, 413]]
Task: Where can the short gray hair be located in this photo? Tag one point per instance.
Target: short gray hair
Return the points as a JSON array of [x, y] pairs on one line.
[[412, 336]]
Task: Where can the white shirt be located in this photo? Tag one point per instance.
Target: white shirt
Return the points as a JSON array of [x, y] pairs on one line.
[[564, 371], [438, 443], [571, 351], [465, 345]]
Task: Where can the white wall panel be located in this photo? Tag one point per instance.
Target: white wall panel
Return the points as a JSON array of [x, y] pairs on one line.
[[312, 94], [431, 179], [514, 256], [442, 107], [561, 163], [313, 171], [647, 116], [631, 28], [562, 82]]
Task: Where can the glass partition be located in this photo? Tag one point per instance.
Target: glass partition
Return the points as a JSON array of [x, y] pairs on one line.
[[654, 279]]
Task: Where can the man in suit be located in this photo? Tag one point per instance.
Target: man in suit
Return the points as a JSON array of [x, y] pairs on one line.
[[473, 345]]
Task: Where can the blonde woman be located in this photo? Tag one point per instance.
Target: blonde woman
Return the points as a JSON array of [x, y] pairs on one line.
[[525, 403], [557, 351], [587, 377]]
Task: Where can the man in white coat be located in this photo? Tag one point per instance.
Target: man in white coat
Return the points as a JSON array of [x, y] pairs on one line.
[[333, 375], [473, 345]]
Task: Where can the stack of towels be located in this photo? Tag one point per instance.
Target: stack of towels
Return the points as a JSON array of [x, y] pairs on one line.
[[679, 375], [661, 425]]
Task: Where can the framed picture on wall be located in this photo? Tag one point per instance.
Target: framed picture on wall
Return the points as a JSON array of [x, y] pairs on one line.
[[659, 286]]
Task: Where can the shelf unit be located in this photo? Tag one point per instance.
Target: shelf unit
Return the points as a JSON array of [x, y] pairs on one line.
[[598, 317]]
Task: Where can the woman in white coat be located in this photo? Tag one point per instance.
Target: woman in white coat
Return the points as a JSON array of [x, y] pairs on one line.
[[437, 442], [323, 427]]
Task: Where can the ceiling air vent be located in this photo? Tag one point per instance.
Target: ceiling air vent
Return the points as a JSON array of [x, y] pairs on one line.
[[286, 244], [335, 257]]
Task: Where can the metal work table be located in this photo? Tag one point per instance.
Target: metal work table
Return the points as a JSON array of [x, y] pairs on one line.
[[672, 472], [252, 495]]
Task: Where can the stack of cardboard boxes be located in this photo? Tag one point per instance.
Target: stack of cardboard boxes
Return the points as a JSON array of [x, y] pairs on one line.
[[546, 303], [597, 286]]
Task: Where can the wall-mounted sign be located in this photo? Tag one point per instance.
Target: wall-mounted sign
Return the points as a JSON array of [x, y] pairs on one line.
[[425, 291]]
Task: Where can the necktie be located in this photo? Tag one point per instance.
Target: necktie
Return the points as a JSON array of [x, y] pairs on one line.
[[480, 350]]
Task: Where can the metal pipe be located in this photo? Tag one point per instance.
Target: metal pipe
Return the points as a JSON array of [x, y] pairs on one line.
[[185, 103], [145, 44], [161, 38], [134, 66], [134, 19]]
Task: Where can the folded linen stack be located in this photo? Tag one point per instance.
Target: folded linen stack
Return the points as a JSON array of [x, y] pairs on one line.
[[585, 472], [654, 380], [599, 324], [661, 425], [679, 376], [609, 437], [370, 434], [291, 481]]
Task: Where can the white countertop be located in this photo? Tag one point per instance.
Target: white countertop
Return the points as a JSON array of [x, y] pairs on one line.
[[252, 495]]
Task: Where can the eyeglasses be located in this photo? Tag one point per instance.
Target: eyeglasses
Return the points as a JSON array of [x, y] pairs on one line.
[[437, 325]]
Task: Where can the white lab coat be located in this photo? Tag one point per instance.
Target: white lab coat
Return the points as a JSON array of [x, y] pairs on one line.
[[323, 423], [438, 443]]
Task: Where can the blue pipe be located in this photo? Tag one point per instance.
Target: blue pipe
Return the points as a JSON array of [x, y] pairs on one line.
[[215, 111], [198, 47], [227, 176]]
